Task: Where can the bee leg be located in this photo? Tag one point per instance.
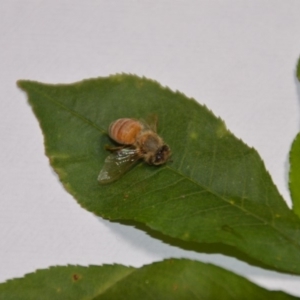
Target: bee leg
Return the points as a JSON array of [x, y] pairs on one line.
[[113, 149]]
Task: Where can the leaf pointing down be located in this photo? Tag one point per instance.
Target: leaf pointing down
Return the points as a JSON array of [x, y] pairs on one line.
[[216, 189], [169, 279], [295, 174]]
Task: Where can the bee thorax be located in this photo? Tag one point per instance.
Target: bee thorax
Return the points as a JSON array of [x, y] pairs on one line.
[[149, 142]]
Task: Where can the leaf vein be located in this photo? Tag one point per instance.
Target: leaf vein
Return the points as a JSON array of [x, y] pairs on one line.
[[294, 242]]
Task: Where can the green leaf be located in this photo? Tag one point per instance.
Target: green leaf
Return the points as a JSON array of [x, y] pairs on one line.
[[216, 189], [295, 174], [169, 279], [70, 282], [298, 70]]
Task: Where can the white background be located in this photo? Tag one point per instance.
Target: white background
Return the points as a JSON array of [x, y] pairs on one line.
[[237, 57]]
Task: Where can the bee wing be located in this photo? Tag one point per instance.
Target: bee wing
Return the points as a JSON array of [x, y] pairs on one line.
[[116, 164], [151, 122]]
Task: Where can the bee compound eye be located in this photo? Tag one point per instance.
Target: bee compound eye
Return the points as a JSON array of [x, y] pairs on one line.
[[158, 157]]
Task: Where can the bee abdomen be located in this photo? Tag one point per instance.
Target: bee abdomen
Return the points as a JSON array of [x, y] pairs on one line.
[[124, 131]]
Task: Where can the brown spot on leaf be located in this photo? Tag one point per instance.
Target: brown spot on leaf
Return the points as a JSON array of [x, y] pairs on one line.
[[75, 277]]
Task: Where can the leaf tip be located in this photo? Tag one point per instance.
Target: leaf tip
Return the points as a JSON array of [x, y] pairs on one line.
[[22, 84]]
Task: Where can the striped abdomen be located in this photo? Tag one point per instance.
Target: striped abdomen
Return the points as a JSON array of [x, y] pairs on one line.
[[125, 131]]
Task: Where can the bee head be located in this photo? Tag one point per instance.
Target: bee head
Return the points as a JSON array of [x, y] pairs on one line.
[[161, 155]]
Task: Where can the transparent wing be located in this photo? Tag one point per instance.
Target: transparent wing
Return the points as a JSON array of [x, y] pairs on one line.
[[116, 164], [151, 122]]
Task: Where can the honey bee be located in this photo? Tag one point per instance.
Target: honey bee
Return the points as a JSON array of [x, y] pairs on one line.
[[138, 140]]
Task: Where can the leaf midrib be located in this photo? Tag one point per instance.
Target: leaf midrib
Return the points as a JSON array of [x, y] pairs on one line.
[[109, 286], [76, 114]]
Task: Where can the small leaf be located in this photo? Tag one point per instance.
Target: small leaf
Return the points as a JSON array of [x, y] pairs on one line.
[[216, 189], [295, 174], [170, 279], [298, 70]]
